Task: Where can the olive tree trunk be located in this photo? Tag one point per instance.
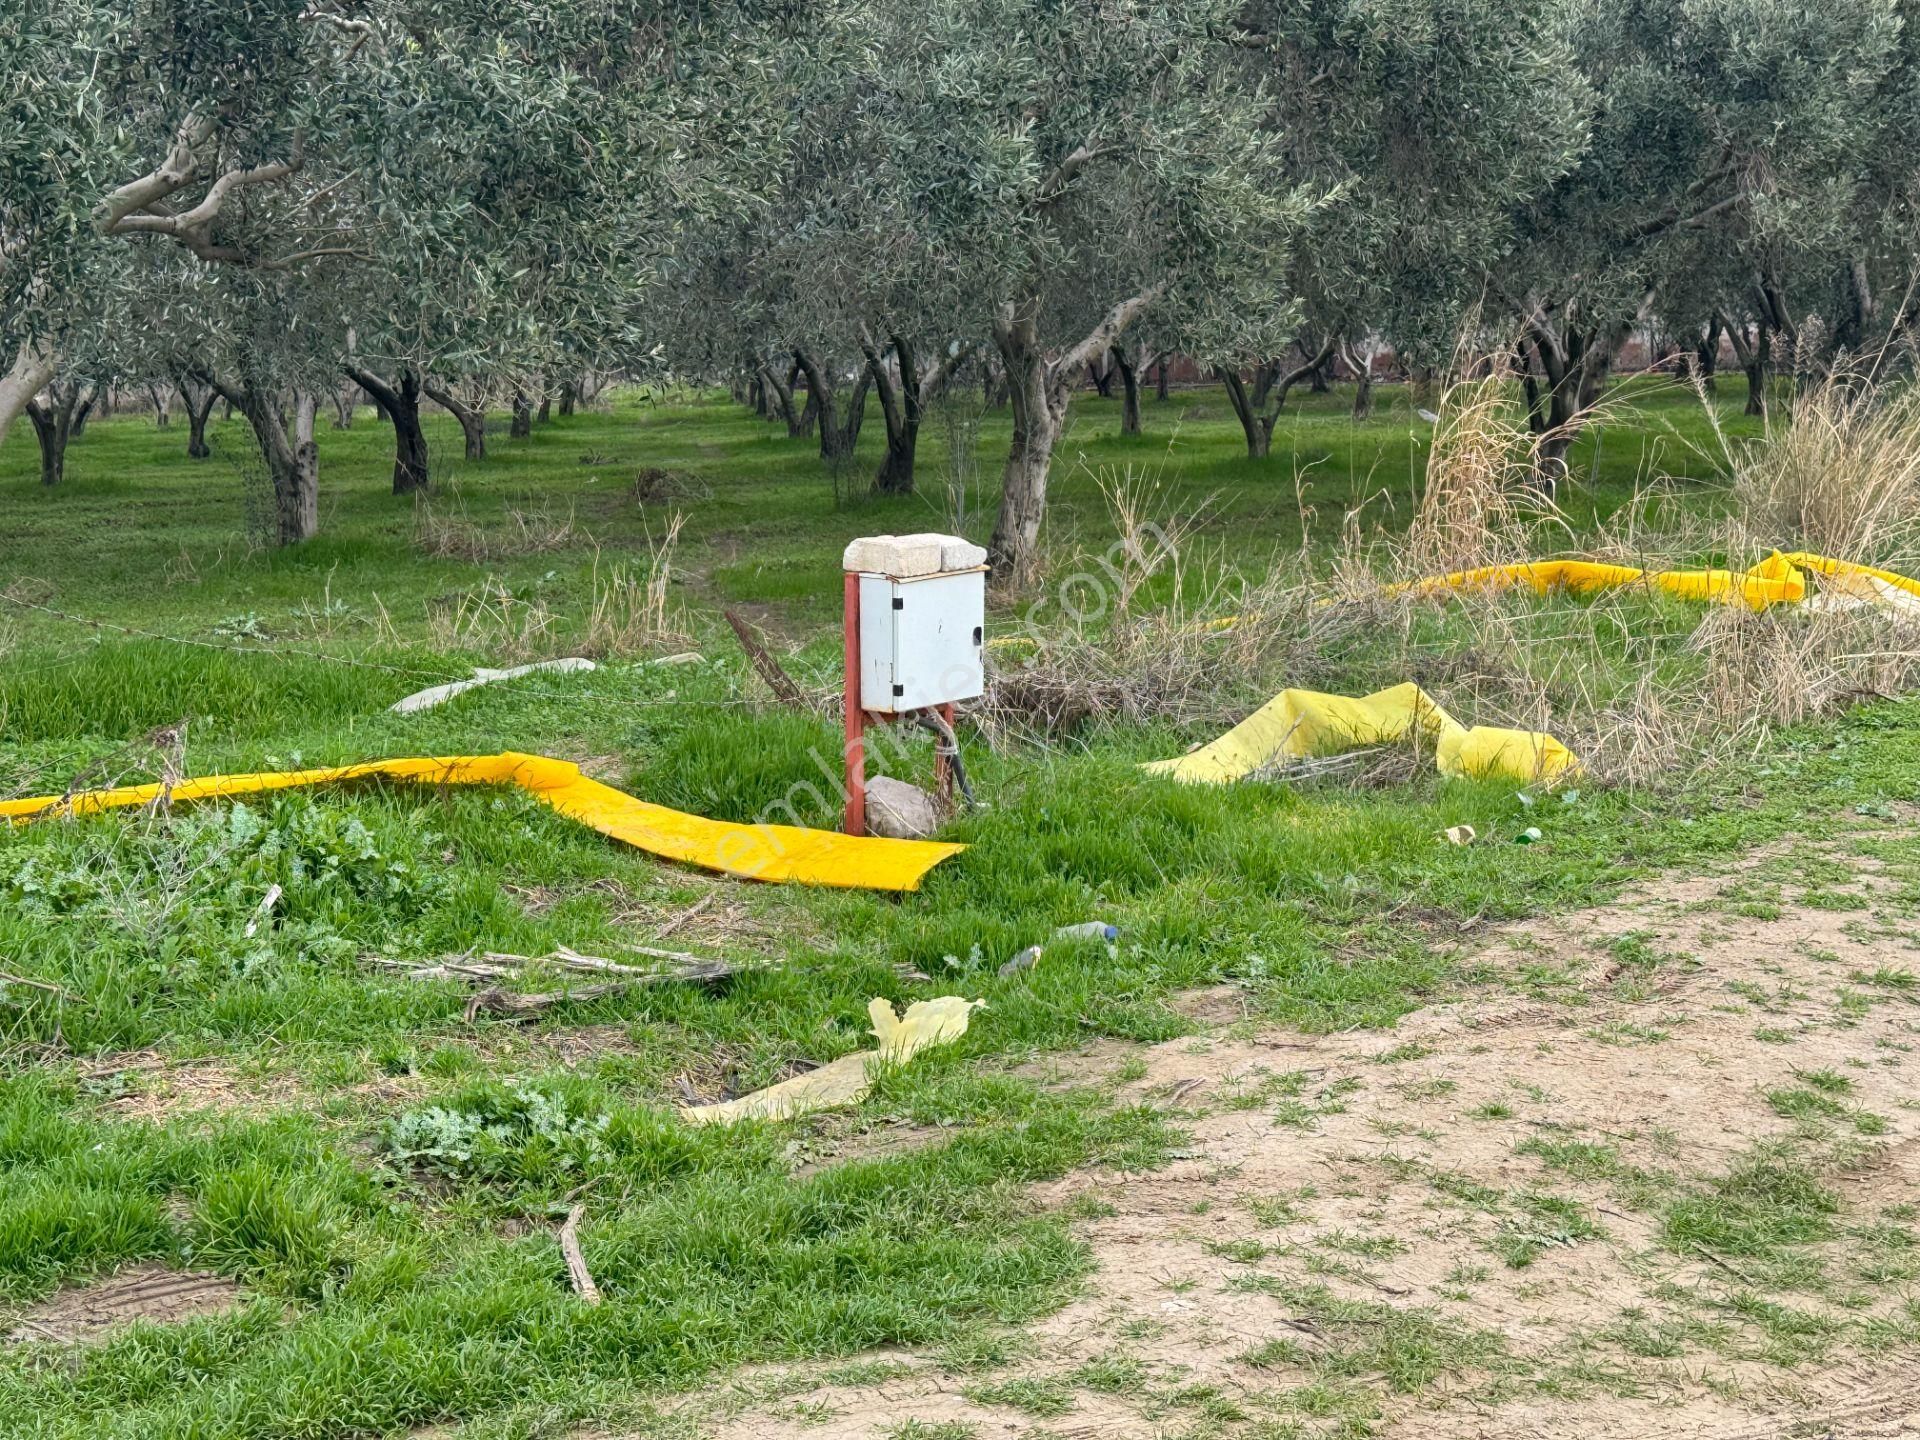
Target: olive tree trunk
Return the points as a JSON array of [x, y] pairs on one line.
[[522, 425], [1256, 421], [1707, 354], [55, 420], [821, 405], [1039, 410], [1754, 352], [1574, 364], [856, 416], [1258, 405], [400, 403], [1040, 390], [199, 400], [1100, 371], [903, 405], [1129, 373], [292, 457], [780, 400], [1359, 359], [900, 409], [472, 418]]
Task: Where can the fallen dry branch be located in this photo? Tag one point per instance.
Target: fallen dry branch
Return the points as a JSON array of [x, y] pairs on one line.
[[46, 986], [685, 915], [576, 1262], [784, 688], [499, 964], [495, 1001], [144, 1063], [493, 966]]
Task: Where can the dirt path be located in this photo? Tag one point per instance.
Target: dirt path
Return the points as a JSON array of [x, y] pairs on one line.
[[1657, 1178]]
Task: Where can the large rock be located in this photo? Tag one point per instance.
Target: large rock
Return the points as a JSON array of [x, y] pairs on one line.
[[900, 811]]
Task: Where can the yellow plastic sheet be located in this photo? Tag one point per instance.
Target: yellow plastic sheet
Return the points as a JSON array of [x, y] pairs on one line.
[[843, 1081], [1300, 724], [753, 852], [1772, 581], [1777, 580], [1853, 578]]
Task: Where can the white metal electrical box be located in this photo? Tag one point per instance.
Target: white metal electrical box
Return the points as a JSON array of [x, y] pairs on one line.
[[922, 636]]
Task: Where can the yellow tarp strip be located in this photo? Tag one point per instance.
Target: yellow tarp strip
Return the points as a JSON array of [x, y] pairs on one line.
[[1302, 722], [843, 1081], [1779, 579], [753, 852], [1299, 724], [1771, 582], [1837, 569]]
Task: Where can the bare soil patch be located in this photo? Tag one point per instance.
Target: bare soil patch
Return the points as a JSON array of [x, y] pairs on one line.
[[146, 1085], [145, 1292], [1657, 1176]]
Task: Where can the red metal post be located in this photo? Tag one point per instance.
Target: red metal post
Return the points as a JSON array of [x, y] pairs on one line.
[[856, 748]]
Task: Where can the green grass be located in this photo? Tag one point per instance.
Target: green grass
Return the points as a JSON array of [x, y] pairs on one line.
[[1766, 1206], [1041, 1396], [390, 1198]]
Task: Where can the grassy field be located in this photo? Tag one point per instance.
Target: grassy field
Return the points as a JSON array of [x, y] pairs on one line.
[[384, 1176]]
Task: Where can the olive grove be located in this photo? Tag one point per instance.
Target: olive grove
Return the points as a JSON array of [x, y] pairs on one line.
[[837, 210]]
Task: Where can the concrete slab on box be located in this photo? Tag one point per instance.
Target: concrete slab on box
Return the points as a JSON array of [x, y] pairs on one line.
[[906, 557]]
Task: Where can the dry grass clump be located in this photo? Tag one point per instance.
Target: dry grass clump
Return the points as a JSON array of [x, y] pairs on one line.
[[1155, 667], [1099, 645], [1788, 666], [1841, 476], [443, 531], [654, 486], [1838, 473], [627, 611], [1481, 469], [492, 618], [630, 612], [1647, 689]]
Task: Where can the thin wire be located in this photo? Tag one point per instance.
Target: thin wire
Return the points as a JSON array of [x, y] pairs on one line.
[[286, 652], [140, 634], [72, 657]]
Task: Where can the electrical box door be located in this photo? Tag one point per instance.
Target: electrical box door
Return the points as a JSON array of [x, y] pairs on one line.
[[921, 640]]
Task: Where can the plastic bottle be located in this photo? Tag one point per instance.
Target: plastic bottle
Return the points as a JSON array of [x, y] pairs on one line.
[[1088, 930]]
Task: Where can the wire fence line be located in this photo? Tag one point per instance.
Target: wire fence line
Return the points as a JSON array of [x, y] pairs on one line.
[[287, 652]]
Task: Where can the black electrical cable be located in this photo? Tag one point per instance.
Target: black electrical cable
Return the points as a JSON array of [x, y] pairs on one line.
[[948, 744]]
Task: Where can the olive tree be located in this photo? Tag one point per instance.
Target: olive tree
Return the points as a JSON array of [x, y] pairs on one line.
[[1071, 168], [823, 284], [386, 168], [1424, 122], [1771, 129]]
